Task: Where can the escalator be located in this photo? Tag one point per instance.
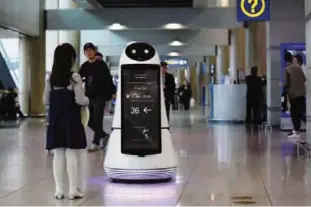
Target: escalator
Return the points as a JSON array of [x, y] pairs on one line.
[[8, 74]]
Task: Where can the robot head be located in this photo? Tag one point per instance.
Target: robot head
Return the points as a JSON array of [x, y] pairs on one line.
[[139, 53]]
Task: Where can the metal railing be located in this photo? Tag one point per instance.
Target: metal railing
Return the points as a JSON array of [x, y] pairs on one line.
[[9, 64]]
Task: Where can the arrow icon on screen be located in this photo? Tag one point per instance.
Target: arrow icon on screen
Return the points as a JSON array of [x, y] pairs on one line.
[[146, 110]]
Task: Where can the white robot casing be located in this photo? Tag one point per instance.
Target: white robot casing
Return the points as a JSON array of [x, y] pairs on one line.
[[131, 167]]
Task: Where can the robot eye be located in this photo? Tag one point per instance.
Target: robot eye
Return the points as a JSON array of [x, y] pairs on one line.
[[134, 51], [146, 51]]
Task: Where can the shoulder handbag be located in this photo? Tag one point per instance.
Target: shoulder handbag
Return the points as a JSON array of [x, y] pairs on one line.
[[85, 112], [192, 103], [85, 115]]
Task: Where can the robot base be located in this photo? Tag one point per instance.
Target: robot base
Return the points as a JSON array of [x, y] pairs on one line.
[[143, 175], [120, 166]]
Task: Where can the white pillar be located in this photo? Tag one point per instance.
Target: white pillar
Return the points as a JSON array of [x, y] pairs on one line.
[[24, 74], [72, 37], [219, 64], [51, 38], [308, 66], [273, 86], [51, 4], [51, 43], [233, 56], [198, 85], [249, 50], [32, 70], [206, 66]]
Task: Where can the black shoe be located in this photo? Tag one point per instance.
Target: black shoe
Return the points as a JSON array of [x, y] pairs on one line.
[[105, 141]]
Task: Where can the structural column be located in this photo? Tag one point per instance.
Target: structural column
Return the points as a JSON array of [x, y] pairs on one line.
[[24, 74], [308, 66], [181, 76], [72, 37], [250, 48], [200, 76], [219, 64], [32, 70], [51, 37], [206, 67], [233, 55], [261, 47], [273, 85]]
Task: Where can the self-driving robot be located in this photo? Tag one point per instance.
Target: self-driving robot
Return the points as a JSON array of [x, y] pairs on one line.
[[140, 146]]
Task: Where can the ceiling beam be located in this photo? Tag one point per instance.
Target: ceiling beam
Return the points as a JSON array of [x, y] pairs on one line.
[[137, 18], [163, 50], [159, 37], [144, 3]]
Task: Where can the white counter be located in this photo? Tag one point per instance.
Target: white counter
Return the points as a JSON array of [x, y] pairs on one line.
[[228, 102]]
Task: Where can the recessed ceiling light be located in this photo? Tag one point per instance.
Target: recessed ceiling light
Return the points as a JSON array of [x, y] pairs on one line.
[[174, 26], [117, 26], [174, 54], [176, 43]]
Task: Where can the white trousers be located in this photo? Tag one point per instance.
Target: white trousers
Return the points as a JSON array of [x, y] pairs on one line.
[[75, 162]]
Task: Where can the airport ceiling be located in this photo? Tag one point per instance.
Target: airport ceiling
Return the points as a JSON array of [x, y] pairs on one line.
[[197, 36]]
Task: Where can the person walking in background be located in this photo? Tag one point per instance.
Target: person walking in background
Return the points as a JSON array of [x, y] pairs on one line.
[[99, 56], [99, 89], [169, 88], [254, 95], [294, 84], [185, 94], [9, 106], [288, 58], [64, 94]]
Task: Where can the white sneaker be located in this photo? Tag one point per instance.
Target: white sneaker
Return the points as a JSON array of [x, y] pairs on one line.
[[75, 195], [59, 195], [294, 135], [93, 148]]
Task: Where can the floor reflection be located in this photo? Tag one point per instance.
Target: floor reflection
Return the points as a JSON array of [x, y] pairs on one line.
[[216, 162]]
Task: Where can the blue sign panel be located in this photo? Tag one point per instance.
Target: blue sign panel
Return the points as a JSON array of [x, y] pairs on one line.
[[253, 10]]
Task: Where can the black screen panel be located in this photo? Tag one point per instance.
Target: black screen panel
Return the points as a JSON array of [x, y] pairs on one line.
[[140, 109]]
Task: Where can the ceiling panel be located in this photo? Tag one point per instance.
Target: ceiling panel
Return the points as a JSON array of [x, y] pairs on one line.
[[158, 37], [144, 3], [163, 50], [141, 19]]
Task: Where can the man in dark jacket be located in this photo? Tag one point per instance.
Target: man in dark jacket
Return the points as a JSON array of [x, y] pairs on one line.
[[254, 95], [99, 89], [169, 88]]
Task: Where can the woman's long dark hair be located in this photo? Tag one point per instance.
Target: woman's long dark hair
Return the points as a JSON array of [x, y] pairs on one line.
[[64, 57]]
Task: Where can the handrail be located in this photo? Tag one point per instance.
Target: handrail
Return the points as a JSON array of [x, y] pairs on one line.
[[9, 64]]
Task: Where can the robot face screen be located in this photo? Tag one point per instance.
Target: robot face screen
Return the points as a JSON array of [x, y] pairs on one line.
[[140, 51]]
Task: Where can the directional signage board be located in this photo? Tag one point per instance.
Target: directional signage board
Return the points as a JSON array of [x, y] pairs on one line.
[[140, 109]]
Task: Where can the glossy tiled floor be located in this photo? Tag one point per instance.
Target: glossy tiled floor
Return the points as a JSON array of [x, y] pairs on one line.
[[216, 162]]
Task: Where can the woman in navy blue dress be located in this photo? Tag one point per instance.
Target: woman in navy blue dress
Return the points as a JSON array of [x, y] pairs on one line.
[[64, 94]]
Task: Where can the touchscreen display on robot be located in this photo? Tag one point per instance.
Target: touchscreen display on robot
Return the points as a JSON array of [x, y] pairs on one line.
[[140, 109], [140, 146]]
